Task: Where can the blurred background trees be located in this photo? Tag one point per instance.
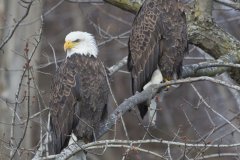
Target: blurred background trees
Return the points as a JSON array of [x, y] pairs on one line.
[[186, 114]]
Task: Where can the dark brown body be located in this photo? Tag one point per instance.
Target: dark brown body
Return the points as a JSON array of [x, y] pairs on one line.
[[78, 101], [158, 39]]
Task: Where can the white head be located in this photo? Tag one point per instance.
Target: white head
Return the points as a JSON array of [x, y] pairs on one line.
[[82, 43]]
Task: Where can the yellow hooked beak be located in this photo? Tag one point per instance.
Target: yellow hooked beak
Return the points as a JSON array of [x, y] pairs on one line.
[[68, 45]]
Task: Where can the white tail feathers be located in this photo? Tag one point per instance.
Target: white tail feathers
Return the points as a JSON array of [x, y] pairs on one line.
[[155, 79]]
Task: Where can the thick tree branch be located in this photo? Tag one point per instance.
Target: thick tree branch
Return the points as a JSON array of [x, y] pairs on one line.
[[213, 39], [207, 68]]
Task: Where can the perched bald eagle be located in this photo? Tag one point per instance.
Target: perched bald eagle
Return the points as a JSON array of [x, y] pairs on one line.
[[157, 44], [78, 101]]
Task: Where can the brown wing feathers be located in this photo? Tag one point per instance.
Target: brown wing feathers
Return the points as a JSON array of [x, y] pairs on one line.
[[78, 100], [60, 100]]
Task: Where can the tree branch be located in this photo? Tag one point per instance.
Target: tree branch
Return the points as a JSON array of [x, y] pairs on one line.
[[207, 68]]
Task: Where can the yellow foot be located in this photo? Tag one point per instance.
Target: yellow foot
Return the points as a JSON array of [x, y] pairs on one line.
[[167, 80]]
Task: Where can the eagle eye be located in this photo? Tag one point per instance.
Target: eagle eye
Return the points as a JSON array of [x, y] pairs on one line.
[[77, 40]]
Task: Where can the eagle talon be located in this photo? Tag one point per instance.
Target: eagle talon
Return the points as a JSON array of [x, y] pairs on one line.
[[165, 81]]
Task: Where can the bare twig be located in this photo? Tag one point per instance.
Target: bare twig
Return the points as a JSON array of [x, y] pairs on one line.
[[38, 18], [34, 116], [116, 103], [215, 112], [108, 36], [14, 112], [11, 32], [48, 64], [26, 69], [54, 56]]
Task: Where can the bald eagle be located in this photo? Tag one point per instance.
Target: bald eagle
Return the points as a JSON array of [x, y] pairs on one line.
[[78, 102], [157, 44]]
